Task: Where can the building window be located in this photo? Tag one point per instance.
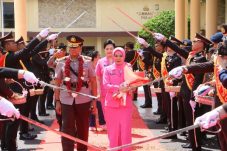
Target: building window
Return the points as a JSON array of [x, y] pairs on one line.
[[8, 12]]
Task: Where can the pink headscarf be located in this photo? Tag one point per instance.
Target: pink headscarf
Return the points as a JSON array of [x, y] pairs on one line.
[[120, 50]]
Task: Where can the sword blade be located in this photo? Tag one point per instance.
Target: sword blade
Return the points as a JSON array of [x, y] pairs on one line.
[[155, 138], [122, 28], [72, 22], [64, 89], [132, 19], [59, 133]]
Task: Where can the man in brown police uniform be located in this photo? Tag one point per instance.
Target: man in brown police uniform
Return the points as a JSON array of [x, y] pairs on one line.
[[75, 73]]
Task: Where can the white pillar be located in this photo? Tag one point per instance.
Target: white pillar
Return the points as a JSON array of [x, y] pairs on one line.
[[180, 19], [195, 17], [211, 17], [20, 19]]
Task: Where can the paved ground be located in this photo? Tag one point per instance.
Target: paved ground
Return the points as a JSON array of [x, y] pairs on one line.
[[147, 114]]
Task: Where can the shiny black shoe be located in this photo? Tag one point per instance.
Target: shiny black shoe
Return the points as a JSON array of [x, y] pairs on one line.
[[27, 136], [157, 112], [161, 121], [146, 106], [44, 114], [188, 145]]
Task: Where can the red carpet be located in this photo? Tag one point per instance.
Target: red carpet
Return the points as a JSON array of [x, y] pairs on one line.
[[140, 131]]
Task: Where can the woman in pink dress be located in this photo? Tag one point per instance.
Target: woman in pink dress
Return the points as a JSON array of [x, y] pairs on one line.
[[118, 115], [109, 46]]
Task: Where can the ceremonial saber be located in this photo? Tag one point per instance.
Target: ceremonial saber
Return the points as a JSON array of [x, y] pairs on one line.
[[155, 138], [64, 89], [145, 28], [60, 133], [122, 28], [72, 22]]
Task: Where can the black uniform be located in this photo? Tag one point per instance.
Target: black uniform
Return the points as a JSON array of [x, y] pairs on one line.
[[41, 71], [145, 64], [187, 94], [205, 68], [170, 63], [13, 60]]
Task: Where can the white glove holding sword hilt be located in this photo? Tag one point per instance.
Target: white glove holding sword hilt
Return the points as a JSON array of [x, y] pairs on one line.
[[7, 108], [29, 76], [142, 42], [52, 37], [43, 33], [209, 119], [159, 37], [177, 72]]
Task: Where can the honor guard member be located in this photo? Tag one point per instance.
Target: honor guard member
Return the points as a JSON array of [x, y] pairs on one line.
[[74, 74], [145, 62], [218, 66], [190, 83], [13, 58], [131, 56], [170, 60], [156, 70]]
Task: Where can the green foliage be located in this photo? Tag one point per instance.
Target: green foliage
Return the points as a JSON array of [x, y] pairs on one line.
[[163, 23]]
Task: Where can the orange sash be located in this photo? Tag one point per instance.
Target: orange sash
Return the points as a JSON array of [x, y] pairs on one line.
[[156, 73], [164, 70], [134, 59], [221, 91], [2, 60], [190, 79], [141, 64]]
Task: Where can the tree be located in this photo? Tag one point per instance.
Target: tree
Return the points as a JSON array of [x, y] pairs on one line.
[[163, 23]]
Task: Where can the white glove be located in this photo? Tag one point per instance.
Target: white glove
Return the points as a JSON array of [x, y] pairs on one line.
[[30, 77], [141, 41], [51, 51], [7, 109], [159, 36], [202, 90], [44, 33], [193, 105], [52, 37], [208, 120], [176, 72]]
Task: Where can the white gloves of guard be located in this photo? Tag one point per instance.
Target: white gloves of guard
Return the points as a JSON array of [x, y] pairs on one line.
[[208, 120], [44, 33], [52, 37], [159, 36], [51, 51], [7, 109], [30, 77], [141, 41], [177, 72]]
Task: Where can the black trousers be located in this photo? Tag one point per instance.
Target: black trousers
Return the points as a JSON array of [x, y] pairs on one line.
[[11, 130], [42, 100], [50, 95], [76, 114], [194, 135], [33, 103], [147, 93], [181, 116], [222, 136]]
